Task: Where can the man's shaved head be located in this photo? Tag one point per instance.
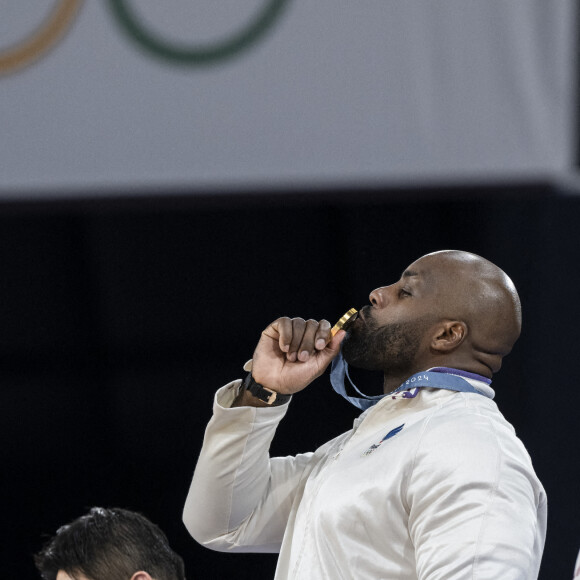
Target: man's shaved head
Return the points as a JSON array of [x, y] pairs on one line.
[[475, 291], [449, 308]]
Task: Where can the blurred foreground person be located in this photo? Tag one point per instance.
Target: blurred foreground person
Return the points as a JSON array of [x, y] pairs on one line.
[[109, 544], [430, 484]]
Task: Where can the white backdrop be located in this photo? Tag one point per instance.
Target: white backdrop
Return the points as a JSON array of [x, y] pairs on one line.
[[330, 92]]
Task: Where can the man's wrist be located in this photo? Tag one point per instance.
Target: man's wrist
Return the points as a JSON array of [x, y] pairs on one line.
[[267, 397]]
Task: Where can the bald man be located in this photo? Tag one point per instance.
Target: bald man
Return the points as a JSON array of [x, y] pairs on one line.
[[431, 483]]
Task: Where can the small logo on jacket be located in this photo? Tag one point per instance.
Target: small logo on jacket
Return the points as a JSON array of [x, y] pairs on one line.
[[390, 434]]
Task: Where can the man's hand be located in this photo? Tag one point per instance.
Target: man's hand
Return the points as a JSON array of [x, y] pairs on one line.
[[292, 352]]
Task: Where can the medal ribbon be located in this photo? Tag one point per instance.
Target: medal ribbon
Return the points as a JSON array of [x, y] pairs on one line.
[[438, 378]]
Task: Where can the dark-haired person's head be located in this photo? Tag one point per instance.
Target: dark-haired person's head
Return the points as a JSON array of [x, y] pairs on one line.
[[109, 544]]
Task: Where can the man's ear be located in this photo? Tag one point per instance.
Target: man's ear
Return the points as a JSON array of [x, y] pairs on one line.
[[141, 576], [449, 335]]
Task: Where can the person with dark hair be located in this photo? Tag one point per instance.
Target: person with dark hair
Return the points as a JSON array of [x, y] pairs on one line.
[[431, 483], [109, 544]]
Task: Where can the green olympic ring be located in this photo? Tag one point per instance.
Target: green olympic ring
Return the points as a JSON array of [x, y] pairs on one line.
[[198, 54]]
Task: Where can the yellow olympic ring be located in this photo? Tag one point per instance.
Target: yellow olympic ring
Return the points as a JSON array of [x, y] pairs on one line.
[[42, 39]]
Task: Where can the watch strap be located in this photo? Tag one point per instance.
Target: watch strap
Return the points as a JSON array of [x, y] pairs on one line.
[[266, 395]]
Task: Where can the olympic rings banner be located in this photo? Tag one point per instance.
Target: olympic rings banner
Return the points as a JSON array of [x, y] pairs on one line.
[[130, 96]]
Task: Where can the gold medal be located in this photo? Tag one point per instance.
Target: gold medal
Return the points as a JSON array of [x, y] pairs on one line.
[[344, 321]]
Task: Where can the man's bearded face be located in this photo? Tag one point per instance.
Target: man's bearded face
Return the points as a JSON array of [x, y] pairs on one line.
[[387, 348]]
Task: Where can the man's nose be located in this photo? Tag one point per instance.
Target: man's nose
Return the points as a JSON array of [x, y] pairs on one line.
[[378, 297]]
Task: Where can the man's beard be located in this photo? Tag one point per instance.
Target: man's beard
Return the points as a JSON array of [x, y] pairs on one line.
[[391, 348]]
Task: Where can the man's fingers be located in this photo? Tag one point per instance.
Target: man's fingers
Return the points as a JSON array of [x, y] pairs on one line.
[[306, 347], [283, 326], [326, 355], [298, 329], [290, 332], [316, 337], [298, 338], [322, 335]]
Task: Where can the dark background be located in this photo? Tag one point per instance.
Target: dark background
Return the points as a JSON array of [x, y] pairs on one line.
[[121, 318]]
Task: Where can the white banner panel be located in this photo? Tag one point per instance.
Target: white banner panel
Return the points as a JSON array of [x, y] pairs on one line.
[[133, 95]]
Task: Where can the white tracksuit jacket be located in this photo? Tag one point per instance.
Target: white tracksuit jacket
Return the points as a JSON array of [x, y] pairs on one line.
[[450, 496]]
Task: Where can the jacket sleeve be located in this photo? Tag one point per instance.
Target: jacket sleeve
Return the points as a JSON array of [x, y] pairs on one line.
[[476, 508], [239, 498], [577, 568]]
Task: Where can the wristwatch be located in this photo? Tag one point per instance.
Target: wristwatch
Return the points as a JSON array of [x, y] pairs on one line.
[[263, 393]]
